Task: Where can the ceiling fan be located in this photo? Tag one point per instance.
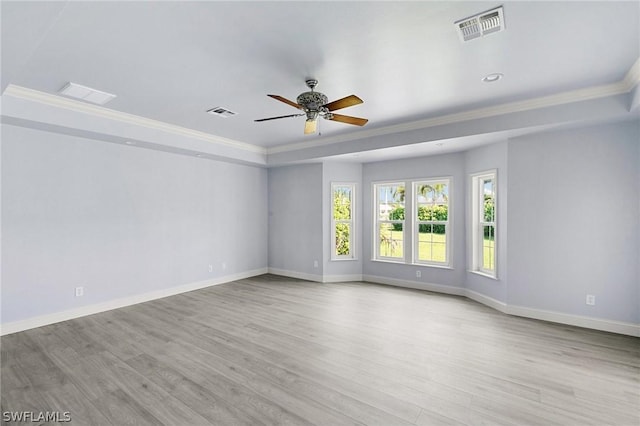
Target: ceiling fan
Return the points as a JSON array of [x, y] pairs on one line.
[[315, 104]]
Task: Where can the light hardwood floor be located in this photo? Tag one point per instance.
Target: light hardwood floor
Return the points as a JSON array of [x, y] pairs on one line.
[[274, 350]]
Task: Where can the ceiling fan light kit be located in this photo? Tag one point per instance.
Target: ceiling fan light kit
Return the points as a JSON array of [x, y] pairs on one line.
[[316, 104], [310, 126]]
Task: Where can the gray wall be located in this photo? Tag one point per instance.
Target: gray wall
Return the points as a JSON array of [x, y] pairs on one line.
[[295, 219], [122, 221], [341, 172], [119, 220], [451, 165], [574, 220], [481, 159]]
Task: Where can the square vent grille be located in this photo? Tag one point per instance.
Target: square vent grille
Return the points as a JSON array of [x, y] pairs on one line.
[[481, 25], [221, 112]]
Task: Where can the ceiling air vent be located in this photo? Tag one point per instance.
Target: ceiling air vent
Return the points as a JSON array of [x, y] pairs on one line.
[[85, 93], [481, 25], [221, 112]]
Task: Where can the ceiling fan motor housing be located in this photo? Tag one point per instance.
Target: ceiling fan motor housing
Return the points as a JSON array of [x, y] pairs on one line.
[[312, 101]]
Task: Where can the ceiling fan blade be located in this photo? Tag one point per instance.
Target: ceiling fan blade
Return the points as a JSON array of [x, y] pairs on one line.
[[348, 101], [310, 126], [349, 120], [282, 116], [286, 101]]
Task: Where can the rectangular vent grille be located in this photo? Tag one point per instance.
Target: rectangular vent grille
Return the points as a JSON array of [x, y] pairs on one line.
[[85, 93], [481, 25], [221, 112]]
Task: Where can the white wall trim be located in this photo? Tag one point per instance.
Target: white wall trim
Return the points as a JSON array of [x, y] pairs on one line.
[[295, 274], [612, 326], [341, 278], [619, 327], [631, 79], [486, 300], [42, 320], [98, 111], [626, 328], [438, 288], [316, 277]]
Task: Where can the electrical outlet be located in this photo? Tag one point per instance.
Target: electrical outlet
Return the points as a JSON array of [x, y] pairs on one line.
[[418, 274], [79, 291], [224, 266], [210, 268], [591, 299], [315, 263]]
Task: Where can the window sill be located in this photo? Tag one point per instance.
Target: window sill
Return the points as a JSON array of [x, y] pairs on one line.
[[343, 259], [395, 262], [483, 274], [419, 265], [424, 265]]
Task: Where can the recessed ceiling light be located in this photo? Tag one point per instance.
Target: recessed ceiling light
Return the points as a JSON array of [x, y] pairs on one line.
[[440, 144], [199, 155], [493, 77], [130, 143]]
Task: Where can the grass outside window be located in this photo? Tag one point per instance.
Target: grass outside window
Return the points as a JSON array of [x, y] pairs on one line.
[[391, 245]]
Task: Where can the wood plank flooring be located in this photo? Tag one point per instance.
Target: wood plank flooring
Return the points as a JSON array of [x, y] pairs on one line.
[[278, 351]]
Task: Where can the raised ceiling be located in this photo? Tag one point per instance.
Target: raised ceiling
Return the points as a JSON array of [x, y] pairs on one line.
[[171, 61]]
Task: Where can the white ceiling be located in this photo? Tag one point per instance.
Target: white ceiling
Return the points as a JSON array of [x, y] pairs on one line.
[[171, 61]]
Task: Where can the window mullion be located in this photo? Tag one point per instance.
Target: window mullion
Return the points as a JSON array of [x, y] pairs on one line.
[[408, 220]]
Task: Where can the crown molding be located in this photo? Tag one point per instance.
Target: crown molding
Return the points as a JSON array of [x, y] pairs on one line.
[[487, 112], [631, 79], [98, 111]]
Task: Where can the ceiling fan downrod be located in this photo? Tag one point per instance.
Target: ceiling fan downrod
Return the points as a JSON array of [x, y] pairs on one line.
[[311, 83]]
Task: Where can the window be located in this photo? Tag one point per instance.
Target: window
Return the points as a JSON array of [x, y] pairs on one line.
[[389, 220], [484, 194], [425, 207], [342, 221], [431, 222]]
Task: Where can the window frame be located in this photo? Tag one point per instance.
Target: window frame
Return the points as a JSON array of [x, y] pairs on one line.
[[416, 222], [377, 221], [479, 223], [410, 229], [351, 222]]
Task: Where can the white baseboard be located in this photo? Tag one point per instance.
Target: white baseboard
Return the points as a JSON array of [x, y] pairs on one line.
[[341, 278], [601, 324], [619, 327], [486, 300], [42, 320], [438, 288], [626, 328], [316, 277], [295, 274]]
